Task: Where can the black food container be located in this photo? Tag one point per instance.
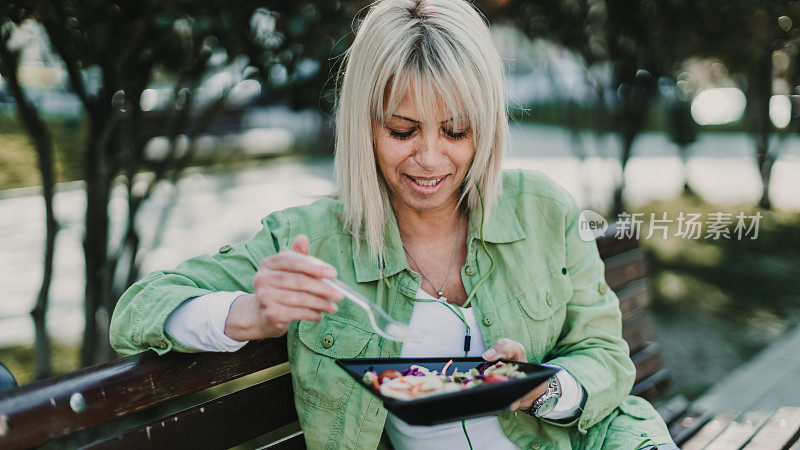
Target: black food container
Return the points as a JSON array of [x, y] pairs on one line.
[[434, 409]]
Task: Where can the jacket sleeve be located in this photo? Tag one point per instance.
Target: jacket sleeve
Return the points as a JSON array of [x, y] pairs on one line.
[[137, 323], [590, 345]]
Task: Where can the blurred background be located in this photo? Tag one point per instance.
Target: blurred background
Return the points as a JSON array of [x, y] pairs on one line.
[[134, 135]]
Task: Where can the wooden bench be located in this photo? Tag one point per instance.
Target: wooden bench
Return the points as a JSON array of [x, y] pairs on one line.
[[756, 430], [146, 401]]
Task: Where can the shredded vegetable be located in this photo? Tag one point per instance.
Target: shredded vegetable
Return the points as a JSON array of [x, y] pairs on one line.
[[418, 381]]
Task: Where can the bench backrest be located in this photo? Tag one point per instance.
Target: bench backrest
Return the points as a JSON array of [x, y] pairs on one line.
[[119, 394]]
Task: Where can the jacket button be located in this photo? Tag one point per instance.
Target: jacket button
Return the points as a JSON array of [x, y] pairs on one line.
[[536, 446], [549, 299], [225, 248], [602, 288], [469, 271], [327, 341], [487, 321], [163, 345]]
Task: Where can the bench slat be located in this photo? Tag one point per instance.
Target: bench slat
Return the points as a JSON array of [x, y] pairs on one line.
[[609, 246], [625, 268], [244, 414], [685, 425], [795, 446], [780, 431], [738, 432], [673, 409], [123, 387], [638, 332], [634, 299], [296, 442], [705, 435], [647, 361], [653, 386]]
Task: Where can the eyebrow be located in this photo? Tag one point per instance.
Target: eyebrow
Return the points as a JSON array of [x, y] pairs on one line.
[[417, 121]]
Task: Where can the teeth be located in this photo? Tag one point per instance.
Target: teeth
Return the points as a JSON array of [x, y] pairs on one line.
[[427, 182]]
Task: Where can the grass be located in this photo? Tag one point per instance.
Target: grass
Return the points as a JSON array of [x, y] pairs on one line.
[[19, 359], [718, 302], [18, 159]]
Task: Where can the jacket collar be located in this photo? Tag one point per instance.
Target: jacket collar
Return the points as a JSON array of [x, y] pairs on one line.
[[501, 226]]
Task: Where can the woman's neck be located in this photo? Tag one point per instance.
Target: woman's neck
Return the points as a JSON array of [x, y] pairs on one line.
[[429, 225]]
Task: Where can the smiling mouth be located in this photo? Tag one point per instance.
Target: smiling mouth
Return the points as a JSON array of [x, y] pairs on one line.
[[427, 181]]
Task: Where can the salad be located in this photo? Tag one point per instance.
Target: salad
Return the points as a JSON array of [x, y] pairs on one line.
[[417, 381]]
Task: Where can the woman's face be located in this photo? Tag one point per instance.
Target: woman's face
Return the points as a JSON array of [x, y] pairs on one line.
[[422, 159]]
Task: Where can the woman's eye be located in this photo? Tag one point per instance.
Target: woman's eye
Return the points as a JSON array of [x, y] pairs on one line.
[[400, 134], [456, 134]]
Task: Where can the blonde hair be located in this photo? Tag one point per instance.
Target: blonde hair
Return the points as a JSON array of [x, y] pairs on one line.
[[442, 50]]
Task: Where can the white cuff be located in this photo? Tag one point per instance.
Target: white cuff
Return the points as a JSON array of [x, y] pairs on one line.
[[200, 322], [569, 404]]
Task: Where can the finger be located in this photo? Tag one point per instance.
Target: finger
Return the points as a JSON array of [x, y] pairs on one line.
[[295, 281], [300, 244], [514, 406], [295, 314], [491, 354], [297, 262], [285, 314], [505, 348], [525, 403], [298, 299]]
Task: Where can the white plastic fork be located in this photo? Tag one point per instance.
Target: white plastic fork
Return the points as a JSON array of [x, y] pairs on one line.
[[382, 323]]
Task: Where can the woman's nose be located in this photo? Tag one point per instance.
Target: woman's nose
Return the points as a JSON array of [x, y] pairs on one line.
[[428, 151]]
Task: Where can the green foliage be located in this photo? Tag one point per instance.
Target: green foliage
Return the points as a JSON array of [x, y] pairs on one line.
[[740, 279]]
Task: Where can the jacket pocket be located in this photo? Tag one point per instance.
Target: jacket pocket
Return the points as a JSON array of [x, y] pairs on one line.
[[543, 307], [317, 378], [548, 295]]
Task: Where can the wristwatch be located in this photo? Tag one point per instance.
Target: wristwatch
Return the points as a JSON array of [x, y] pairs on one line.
[[544, 404]]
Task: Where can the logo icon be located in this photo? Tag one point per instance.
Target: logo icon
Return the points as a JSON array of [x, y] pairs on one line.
[[591, 225]]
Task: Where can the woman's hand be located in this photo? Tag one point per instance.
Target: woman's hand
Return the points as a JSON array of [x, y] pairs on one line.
[[513, 350], [287, 287]]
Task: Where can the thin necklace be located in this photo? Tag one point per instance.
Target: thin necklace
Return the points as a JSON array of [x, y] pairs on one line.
[[449, 268]]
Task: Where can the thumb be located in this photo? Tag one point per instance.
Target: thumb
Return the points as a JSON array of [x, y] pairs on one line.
[[491, 354], [300, 244]]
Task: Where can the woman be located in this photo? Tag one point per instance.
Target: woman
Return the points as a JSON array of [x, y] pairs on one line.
[[421, 128]]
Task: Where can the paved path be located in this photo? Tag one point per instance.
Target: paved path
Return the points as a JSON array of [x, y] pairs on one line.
[[213, 208], [765, 383]]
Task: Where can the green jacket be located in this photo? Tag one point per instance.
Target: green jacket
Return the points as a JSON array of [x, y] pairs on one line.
[[547, 291]]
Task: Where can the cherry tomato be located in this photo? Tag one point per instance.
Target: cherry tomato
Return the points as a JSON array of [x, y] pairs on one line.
[[494, 379], [388, 374]]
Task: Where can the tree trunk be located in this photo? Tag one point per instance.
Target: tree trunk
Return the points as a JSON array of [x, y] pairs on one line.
[[760, 94], [43, 145], [628, 136], [95, 244], [683, 151], [636, 95]]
